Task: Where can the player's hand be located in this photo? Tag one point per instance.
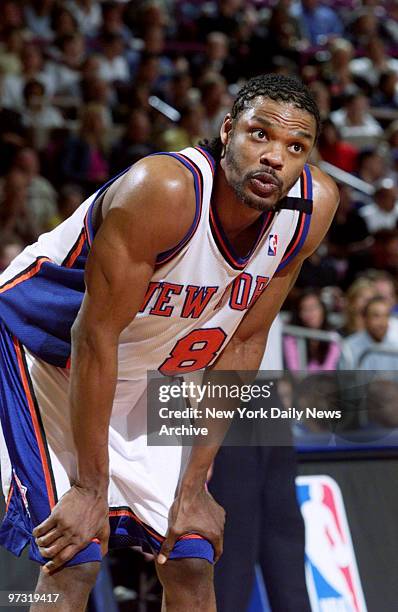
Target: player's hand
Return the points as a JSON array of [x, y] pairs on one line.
[[79, 516], [194, 511]]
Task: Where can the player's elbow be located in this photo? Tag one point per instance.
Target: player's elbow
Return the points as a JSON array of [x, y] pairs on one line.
[[89, 337]]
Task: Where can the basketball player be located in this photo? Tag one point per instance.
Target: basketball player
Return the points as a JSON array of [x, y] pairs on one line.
[[178, 264]]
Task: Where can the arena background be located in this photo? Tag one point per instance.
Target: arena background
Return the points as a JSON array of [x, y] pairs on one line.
[[88, 88]]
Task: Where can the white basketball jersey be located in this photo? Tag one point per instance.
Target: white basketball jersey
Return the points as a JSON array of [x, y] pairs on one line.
[[199, 293]]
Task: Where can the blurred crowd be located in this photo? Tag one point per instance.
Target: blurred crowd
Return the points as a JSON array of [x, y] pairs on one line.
[[88, 87]]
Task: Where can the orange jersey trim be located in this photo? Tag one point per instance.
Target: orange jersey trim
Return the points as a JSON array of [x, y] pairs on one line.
[[10, 492], [36, 426], [19, 279]]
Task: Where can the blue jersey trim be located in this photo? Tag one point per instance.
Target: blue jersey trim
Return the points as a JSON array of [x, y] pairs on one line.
[[208, 156], [306, 227], [303, 224], [198, 184]]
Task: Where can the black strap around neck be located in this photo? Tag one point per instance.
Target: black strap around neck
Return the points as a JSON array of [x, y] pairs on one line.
[[292, 203]]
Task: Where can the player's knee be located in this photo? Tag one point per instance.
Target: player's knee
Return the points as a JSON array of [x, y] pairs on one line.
[[189, 580], [82, 574], [88, 572]]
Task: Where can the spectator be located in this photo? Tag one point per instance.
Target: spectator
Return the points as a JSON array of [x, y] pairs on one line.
[[64, 23], [386, 95], [39, 116], [216, 58], [385, 287], [87, 14], [371, 165], [32, 69], [112, 22], [84, 160], [65, 70], [337, 70], [356, 124], [318, 22], [311, 313], [214, 92], [113, 65], [179, 92], [97, 91], [322, 97], [334, 150], [148, 72], [377, 333], [283, 35], [91, 88], [358, 295], [154, 46], [384, 252], [14, 212], [188, 132], [154, 43], [363, 26], [321, 391], [382, 213], [318, 271], [38, 18], [271, 534], [374, 62], [154, 39], [10, 52], [146, 14], [41, 196], [135, 142], [12, 135], [11, 16], [348, 233], [226, 16]]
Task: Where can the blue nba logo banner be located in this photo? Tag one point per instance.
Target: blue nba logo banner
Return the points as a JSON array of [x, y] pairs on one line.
[[331, 570], [272, 244]]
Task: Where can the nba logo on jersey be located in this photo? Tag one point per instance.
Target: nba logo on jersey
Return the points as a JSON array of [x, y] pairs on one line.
[[331, 571], [272, 244]]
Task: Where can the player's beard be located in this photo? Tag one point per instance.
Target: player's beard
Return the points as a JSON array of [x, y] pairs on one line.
[[238, 185]]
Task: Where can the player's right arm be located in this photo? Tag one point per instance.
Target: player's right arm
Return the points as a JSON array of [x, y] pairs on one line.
[[150, 211]]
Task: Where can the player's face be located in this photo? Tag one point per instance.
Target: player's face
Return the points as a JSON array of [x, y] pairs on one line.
[[266, 148]]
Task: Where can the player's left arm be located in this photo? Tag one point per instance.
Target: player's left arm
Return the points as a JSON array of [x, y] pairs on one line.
[[245, 351]]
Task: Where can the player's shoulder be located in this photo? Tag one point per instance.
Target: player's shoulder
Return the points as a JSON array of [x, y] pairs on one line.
[[161, 176], [325, 190], [157, 185], [156, 197], [325, 202]]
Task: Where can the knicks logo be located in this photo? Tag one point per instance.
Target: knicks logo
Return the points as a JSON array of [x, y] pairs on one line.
[[162, 297], [272, 244]]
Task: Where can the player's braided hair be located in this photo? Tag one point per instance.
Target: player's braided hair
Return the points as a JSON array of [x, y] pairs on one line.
[[275, 87], [279, 88]]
